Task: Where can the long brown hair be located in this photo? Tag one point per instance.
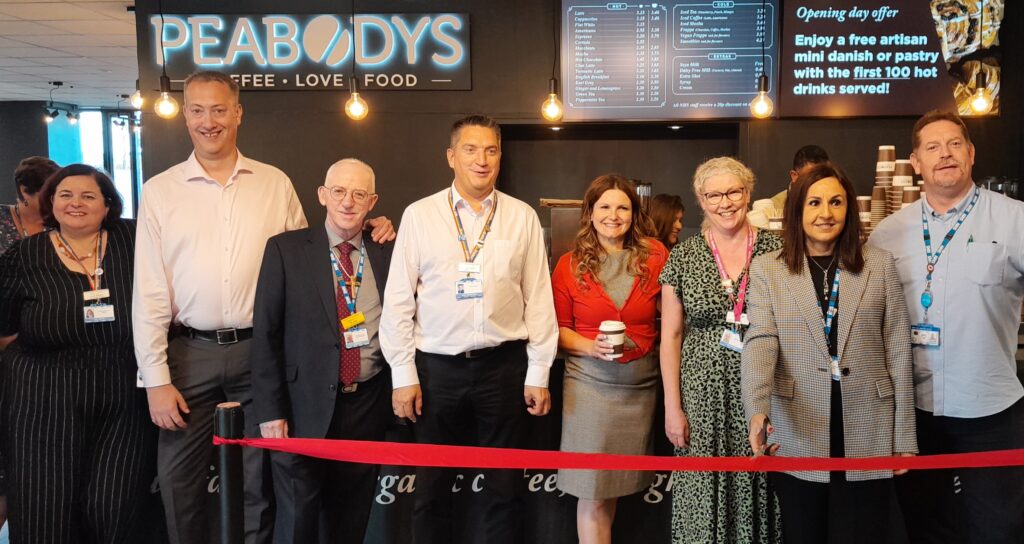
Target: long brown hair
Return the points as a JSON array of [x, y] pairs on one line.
[[587, 250], [848, 247], [664, 208]]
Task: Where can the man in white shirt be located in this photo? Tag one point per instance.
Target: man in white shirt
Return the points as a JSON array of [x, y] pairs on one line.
[[468, 320], [202, 228]]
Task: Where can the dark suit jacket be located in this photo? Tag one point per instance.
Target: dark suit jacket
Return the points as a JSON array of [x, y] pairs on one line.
[[295, 345]]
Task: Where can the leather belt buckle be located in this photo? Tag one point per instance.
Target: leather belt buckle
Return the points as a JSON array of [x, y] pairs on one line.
[[476, 353], [350, 388], [227, 336]]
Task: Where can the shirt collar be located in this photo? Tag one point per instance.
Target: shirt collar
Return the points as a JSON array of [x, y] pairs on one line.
[[461, 201], [334, 239], [195, 171], [953, 212]]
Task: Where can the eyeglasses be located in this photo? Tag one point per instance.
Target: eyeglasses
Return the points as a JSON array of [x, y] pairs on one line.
[[338, 193], [715, 198]]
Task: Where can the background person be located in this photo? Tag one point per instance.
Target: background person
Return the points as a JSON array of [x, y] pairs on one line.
[[845, 389], [667, 215], [704, 284], [76, 434], [608, 403]]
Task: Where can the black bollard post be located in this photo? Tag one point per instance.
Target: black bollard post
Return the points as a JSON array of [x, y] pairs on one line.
[[229, 422]]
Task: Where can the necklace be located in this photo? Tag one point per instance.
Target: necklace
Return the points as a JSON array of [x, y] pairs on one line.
[[21, 222], [824, 275]]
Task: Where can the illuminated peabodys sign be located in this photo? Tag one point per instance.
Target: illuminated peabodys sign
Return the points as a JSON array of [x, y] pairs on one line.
[[315, 52]]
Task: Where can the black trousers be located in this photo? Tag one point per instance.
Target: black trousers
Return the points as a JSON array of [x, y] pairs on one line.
[[329, 501], [471, 402], [79, 448], [837, 512], [982, 505]]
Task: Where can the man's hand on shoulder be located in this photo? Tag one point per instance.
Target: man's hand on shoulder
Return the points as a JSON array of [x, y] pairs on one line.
[[383, 230]]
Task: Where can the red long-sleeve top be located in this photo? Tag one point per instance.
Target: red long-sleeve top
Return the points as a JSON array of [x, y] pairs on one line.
[[583, 308]]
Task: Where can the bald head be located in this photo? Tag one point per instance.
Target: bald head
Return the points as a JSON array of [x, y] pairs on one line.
[[350, 168]]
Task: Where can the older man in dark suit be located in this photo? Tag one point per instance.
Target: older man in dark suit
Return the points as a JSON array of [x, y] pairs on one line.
[[316, 361]]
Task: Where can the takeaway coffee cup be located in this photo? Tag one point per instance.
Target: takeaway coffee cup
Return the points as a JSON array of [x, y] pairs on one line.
[[615, 331]]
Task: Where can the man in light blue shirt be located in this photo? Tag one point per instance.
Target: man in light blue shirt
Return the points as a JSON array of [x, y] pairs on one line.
[[960, 254]]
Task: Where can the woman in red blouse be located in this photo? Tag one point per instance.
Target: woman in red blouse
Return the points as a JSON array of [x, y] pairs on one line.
[[610, 275]]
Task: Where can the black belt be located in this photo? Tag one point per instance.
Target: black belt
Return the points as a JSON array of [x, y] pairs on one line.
[[477, 353], [220, 336]]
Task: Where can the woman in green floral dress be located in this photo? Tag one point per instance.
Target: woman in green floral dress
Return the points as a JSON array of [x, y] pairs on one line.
[[704, 284]]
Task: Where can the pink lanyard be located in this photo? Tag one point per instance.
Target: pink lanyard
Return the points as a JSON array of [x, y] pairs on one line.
[[727, 283]]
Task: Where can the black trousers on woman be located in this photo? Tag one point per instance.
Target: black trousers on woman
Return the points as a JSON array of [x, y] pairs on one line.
[[80, 450], [837, 512]]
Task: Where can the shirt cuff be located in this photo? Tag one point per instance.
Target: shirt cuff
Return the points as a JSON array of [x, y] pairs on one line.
[[404, 376], [155, 376], [537, 375]]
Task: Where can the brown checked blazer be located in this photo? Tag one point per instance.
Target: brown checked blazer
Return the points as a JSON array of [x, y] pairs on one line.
[[785, 373]]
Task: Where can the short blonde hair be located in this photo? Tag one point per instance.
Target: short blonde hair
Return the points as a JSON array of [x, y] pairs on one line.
[[722, 165]]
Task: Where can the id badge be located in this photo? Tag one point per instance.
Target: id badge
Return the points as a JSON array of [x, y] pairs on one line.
[[731, 318], [96, 294], [924, 334], [731, 340], [353, 320], [834, 369], [357, 338], [99, 313], [469, 288], [469, 268]]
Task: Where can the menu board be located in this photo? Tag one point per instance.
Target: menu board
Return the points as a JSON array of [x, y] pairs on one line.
[[880, 58], [675, 60]]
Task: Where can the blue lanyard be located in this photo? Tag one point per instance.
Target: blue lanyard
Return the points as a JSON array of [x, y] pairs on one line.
[[926, 296], [830, 315], [350, 301], [471, 256]]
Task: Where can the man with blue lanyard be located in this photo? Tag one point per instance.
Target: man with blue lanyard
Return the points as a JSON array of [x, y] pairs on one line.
[[469, 330], [317, 368], [960, 254]]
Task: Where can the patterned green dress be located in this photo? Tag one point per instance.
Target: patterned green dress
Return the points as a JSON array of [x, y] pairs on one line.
[[710, 507]]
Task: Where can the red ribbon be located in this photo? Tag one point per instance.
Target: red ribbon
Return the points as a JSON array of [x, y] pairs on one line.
[[431, 455]]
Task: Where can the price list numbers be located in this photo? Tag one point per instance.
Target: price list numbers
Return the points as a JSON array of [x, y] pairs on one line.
[[723, 24], [718, 73], [617, 55]]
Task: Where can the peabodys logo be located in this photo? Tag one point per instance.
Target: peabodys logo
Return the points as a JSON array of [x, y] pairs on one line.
[[401, 50]]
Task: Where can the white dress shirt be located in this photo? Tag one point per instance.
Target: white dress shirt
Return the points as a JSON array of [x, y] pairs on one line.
[[420, 308], [198, 251]]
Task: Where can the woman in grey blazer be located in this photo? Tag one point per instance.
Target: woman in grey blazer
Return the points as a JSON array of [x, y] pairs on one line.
[[827, 364]]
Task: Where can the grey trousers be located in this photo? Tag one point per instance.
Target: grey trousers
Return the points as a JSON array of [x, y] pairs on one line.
[[207, 374]]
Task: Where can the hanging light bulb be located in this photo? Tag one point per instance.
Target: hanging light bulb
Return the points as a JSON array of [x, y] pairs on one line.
[[552, 109], [356, 108], [981, 102], [762, 106], [166, 106], [136, 100]]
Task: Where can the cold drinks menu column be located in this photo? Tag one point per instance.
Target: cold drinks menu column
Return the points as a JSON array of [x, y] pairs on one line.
[[682, 60]]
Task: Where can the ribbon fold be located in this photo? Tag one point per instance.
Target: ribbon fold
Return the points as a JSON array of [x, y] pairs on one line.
[[432, 455]]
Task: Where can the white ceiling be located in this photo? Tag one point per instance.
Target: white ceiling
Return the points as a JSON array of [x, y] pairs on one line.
[[90, 46]]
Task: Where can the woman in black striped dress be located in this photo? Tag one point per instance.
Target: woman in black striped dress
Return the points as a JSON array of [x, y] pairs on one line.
[[77, 436]]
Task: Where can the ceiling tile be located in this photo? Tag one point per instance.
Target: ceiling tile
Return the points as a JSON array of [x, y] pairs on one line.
[[13, 29], [75, 40], [32, 52], [108, 26], [40, 11]]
